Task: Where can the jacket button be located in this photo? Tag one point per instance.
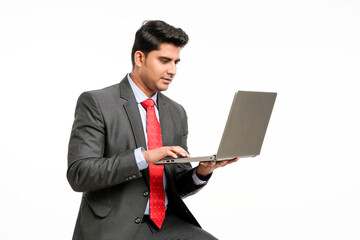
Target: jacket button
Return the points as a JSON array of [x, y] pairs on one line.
[[146, 193], [126, 179], [134, 176], [137, 220]]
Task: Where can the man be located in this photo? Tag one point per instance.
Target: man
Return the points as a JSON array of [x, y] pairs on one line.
[[116, 137]]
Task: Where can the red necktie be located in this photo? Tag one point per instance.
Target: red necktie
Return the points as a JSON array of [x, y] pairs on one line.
[[157, 194]]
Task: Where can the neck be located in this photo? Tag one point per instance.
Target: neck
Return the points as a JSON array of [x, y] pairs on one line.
[[136, 78]]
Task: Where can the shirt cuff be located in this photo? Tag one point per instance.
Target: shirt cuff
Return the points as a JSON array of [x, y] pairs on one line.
[[197, 180], [140, 160]]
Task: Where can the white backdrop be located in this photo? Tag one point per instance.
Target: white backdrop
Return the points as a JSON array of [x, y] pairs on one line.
[[304, 185]]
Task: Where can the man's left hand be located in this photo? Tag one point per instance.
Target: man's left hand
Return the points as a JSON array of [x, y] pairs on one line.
[[205, 168]]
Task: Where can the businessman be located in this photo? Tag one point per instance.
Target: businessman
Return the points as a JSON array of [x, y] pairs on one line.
[[117, 135]]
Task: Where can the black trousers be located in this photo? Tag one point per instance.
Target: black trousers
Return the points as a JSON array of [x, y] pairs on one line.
[[173, 228]]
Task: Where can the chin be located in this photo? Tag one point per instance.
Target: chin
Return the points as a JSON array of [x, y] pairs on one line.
[[163, 88]]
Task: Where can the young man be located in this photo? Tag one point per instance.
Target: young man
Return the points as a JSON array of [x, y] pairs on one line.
[[116, 137]]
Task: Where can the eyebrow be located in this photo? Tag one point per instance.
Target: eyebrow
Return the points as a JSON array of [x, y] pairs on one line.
[[169, 59]]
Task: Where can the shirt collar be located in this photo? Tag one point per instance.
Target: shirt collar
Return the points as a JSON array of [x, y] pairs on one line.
[[139, 95]]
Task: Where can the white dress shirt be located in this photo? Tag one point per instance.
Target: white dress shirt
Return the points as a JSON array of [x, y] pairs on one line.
[[140, 160]]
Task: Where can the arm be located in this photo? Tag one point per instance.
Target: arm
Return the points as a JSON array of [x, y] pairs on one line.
[[87, 168]]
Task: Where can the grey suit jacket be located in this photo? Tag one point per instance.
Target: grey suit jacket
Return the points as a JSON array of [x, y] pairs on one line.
[[101, 163]]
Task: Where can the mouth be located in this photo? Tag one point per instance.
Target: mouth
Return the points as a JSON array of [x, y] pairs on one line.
[[167, 80]]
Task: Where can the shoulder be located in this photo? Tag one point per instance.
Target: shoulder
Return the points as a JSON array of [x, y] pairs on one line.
[[100, 93], [101, 101], [102, 96]]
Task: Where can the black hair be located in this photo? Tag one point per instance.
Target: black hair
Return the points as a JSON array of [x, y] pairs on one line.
[[153, 33]]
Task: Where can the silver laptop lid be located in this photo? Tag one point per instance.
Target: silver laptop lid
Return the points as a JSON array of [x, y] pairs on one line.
[[246, 124]]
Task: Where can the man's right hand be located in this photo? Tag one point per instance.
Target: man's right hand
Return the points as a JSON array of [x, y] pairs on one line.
[[154, 155]]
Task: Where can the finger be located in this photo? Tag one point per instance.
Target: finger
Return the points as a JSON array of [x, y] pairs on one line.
[[208, 163], [155, 155], [227, 162], [203, 164], [170, 153], [179, 150], [222, 163], [233, 160]]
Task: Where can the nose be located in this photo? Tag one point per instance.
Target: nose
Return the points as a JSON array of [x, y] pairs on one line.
[[172, 69]]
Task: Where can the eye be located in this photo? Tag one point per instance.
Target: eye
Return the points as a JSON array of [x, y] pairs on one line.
[[164, 59]]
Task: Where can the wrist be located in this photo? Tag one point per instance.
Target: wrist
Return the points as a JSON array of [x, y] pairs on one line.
[[202, 176]]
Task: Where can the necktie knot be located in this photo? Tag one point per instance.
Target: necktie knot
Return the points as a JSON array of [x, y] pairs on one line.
[[148, 103]]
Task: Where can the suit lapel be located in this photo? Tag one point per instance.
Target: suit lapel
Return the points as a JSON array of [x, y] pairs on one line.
[[166, 126], [132, 111], [165, 120]]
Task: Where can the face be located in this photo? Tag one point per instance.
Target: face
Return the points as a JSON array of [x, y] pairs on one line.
[[157, 70]]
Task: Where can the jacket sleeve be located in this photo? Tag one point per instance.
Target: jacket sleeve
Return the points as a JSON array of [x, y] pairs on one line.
[[88, 169]]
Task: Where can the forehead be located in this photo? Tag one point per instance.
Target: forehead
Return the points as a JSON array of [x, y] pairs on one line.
[[167, 50]]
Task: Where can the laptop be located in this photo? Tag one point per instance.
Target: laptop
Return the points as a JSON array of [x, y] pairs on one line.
[[244, 131]]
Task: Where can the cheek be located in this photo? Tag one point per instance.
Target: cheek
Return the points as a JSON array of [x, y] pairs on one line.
[[158, 69]]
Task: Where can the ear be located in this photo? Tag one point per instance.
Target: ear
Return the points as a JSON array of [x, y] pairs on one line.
[[139, 58]]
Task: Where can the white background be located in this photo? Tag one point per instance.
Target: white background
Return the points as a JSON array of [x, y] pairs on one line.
[[304, 185]]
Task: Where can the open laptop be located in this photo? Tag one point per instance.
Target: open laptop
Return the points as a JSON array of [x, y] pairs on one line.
[[245, 128]]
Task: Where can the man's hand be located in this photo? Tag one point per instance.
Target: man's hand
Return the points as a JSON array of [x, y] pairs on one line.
[[154, 155], [205, 168]]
